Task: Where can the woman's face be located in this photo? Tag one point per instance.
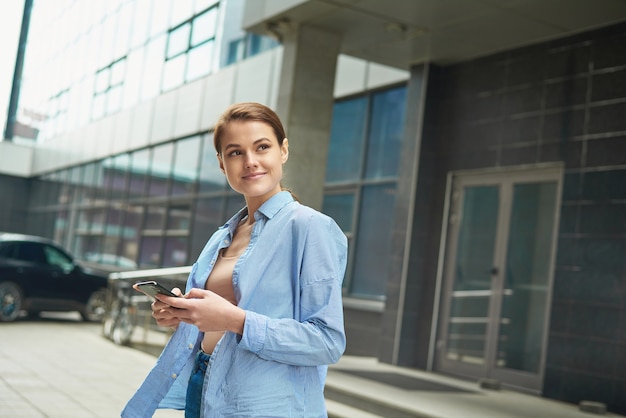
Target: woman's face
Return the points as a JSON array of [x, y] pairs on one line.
[[252, 159]]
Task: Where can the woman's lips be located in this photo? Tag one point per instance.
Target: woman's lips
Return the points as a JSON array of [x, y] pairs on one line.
[[253, 176]]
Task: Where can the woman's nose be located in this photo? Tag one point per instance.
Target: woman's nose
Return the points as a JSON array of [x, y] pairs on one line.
[[251, 160]]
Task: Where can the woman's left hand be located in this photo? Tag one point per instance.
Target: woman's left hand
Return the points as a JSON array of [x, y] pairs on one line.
[[207, 310]]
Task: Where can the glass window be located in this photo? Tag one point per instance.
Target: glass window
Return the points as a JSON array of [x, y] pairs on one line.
[[116, 175], [186, 164], [133, 218], [178, 218], [102, 80], [114, 99], [117, 72], [372, 243], [200, 61], [211, 177], [208, 216], [174, 72], [175, 252], [58, 259], [345, 151], [204, 27], [150, 256], [155, 218], [340, 207], [235, 51], [366, 131], [160, 169], [178, 40], [138, 173], [385, 134]]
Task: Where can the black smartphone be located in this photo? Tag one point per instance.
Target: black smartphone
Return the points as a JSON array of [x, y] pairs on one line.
[[152, 288]]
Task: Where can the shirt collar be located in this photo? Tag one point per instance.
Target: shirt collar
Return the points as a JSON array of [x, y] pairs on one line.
[[271, 207], [274, 204]]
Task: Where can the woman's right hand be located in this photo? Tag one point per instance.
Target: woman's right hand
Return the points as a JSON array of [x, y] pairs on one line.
[[164, 313]]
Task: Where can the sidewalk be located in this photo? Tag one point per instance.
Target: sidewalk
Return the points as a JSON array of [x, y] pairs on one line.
[[65, 368]]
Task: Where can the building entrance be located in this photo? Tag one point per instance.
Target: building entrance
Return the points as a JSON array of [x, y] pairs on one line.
[[498, 274]]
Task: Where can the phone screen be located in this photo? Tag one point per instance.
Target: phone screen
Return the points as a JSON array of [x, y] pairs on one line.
[[152, 288]]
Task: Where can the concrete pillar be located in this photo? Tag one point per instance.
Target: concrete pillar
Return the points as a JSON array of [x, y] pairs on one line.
[[304, 103]]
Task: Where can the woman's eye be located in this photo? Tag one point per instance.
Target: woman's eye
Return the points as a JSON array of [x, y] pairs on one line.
[[234, 153], [263, 147]]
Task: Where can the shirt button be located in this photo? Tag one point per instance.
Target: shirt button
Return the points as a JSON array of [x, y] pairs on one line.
[[173, 375], [190, 346], [226, 241]]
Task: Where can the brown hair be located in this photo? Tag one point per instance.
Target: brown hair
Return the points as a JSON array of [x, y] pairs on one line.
[[247, 111]]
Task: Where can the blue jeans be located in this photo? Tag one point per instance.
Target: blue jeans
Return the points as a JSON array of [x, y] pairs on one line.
[[193, 401]]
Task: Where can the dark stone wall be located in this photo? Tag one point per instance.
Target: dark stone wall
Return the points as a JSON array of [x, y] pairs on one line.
[[562, 101], [13, 204]]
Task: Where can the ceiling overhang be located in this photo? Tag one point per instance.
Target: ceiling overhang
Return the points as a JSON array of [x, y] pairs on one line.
[[400, 33]]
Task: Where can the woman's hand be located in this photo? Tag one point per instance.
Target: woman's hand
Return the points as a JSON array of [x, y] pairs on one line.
[[166, 316], [205, 309]]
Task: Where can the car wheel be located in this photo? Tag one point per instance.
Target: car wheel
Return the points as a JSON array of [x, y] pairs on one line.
[[95, 307], [11, 301]]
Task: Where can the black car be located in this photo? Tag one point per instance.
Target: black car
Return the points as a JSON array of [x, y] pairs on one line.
[[38, 275]]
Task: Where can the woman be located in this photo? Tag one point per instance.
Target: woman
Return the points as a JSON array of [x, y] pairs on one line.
[[262, 315]]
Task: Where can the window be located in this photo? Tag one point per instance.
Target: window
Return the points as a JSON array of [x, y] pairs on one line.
[[109, 82], [56, 258], [190, 49], [361, 183]]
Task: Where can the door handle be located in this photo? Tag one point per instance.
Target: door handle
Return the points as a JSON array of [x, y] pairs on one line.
[[493, 271]]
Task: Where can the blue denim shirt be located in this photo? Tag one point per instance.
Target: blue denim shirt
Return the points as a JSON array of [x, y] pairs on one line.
[[288, 281]]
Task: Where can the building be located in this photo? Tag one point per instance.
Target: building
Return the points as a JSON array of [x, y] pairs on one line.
[[473, 152]]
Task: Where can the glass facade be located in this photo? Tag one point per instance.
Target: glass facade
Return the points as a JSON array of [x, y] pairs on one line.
[[361, 183], [153, 207], [89, 59], [156, 206]]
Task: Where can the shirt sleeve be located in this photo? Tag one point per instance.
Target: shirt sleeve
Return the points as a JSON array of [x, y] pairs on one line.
[[317, 337]]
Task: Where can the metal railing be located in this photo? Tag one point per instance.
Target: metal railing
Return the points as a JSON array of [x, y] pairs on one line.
[[128, 316]]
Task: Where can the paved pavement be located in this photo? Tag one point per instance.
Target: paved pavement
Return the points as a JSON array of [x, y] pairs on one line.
[[62, 367]]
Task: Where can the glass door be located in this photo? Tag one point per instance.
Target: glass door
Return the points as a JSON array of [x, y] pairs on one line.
[[498, 276]]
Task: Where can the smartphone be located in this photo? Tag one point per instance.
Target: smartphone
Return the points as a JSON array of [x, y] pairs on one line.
[[152, 288]]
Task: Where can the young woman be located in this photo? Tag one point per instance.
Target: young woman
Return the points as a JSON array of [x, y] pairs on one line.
[[262, 315]]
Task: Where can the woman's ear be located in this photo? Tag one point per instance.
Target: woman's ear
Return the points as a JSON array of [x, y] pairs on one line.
[[219, 160], [284, 150]]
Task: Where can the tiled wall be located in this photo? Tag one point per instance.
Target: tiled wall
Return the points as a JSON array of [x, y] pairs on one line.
[[14, 201], [562, 101]]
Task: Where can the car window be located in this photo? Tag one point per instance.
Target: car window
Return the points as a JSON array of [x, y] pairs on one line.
[[7, 249], [30, 251], [56, 258]]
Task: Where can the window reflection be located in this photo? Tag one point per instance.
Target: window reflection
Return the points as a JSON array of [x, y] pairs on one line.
[[178, 40], [345, 153], [139, 173], [385, 134], [185, 169], [160, 168], [361, 182]]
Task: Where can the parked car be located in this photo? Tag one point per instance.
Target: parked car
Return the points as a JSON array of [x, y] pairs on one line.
[[38, 275]]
